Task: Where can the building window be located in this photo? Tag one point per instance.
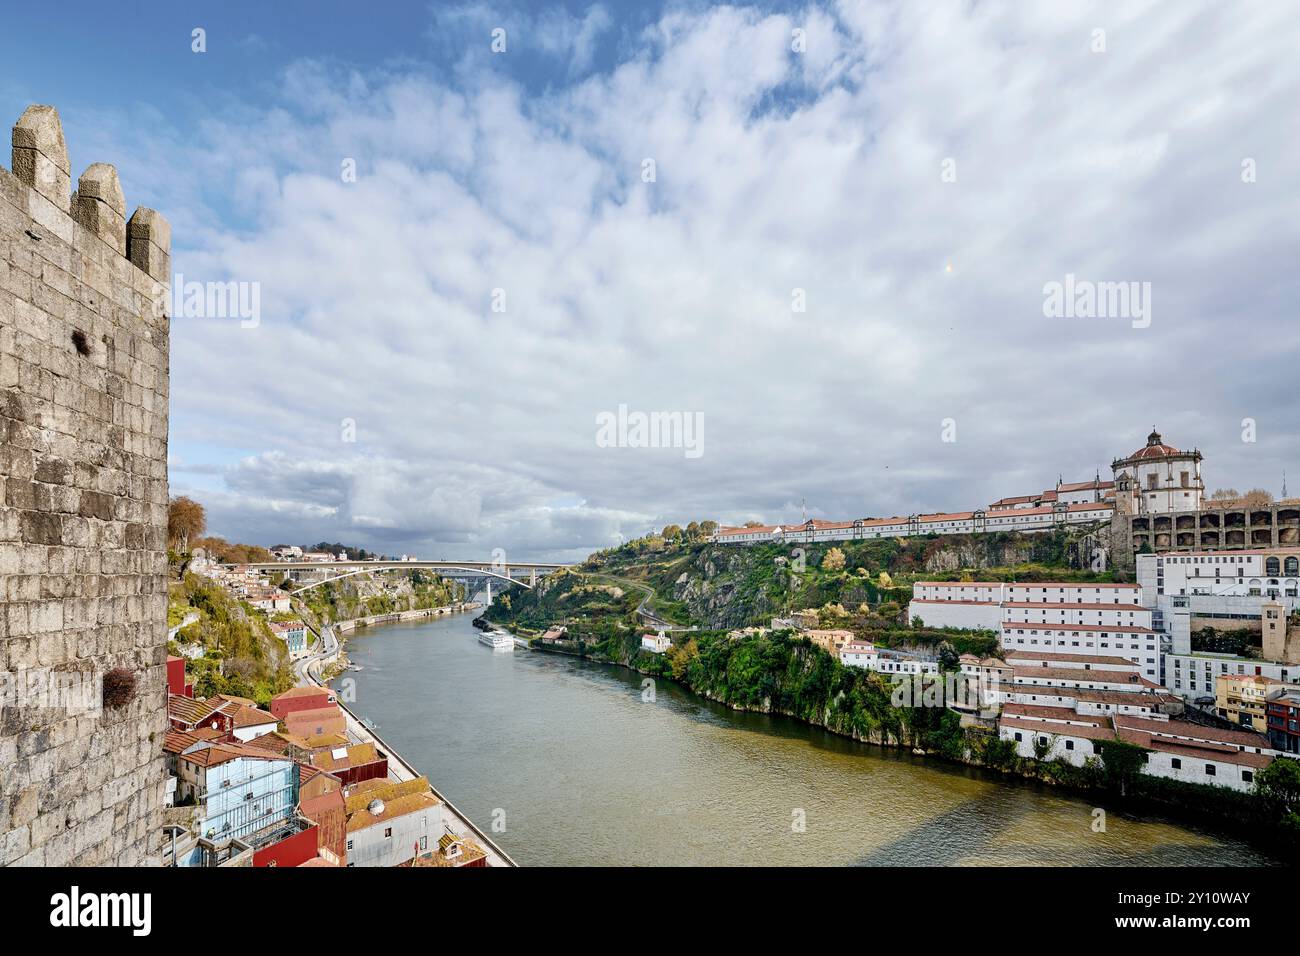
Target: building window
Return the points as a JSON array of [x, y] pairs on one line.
[[1247, 776], [1176, 763], [388, 832], [1209, 770], [349, 844]]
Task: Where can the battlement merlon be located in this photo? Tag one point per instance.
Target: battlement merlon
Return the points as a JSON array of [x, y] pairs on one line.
[[40, 160]]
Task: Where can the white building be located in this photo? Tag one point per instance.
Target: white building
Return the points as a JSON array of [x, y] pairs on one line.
[[656, 643], [1221, 585], [858, 654], [1179, 750], [981, 604], [866, 655], [1097, 619], [270, 601], [391, 824], [1072, 738], [1044, 518], [1192, 675], [1176, 749], [1139, 645], [1226, 590], [1158, 479]]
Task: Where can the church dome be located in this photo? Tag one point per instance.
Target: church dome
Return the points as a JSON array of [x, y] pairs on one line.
[[1154, 448]]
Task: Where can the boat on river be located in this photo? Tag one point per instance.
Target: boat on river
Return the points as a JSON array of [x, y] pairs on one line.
[[497, 640]]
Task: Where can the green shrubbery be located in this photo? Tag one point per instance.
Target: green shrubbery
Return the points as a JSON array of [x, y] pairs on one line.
[[241, 655]]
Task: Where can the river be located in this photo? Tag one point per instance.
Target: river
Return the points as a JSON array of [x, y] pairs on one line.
[[576, 767]]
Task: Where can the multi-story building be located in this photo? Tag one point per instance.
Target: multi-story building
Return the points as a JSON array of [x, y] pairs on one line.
[[239, 790], [1282, 710], [1240, 698], [981, 604], [393, 824], [294, 635], [1222, 588], [1193, 675]]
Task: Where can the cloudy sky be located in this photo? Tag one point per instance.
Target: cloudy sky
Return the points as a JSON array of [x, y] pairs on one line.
[[819, 230]]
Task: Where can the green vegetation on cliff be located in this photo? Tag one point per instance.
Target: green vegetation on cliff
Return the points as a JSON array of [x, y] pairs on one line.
[[712, 585], [240, 655]]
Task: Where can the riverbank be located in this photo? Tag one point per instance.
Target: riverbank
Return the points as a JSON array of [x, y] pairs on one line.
[[937, 733], [576, 762]]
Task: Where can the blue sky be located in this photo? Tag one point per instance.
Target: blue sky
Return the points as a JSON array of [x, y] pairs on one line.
[[820, 173]]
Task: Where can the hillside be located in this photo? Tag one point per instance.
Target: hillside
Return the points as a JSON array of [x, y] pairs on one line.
[[236, 651], [719, 586]]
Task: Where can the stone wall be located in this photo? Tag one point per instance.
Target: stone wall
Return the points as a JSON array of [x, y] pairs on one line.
[[1275, 525], [83, 510]]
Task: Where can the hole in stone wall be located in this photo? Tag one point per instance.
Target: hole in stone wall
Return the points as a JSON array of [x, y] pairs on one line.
[[119, 686], [81, 342]]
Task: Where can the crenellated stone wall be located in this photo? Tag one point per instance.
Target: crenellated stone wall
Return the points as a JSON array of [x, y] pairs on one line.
[[83, 510]]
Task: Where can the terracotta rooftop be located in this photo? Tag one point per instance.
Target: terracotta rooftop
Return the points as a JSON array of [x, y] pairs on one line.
[[396, 807]]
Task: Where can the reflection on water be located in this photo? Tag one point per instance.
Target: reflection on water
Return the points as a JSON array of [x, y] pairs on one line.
[[583, 771]]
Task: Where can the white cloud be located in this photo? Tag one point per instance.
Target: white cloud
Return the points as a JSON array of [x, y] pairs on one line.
[[774, 172]]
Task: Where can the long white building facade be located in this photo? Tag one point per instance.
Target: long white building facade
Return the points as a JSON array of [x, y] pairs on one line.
[[1103, 620], [1155, 479]]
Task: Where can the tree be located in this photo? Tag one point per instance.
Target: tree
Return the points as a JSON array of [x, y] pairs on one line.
[[693, 531], [949, 659], [671, 532], [1123, 762], [885, 581], [708, 528], [1256, 498], [1279, 784], [186, 520], [753, 524], [833, 560], [680, 657]]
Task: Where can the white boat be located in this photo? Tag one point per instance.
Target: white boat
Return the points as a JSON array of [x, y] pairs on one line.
[[497, 640]]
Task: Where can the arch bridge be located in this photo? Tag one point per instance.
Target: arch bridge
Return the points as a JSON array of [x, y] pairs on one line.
[[511, 572]]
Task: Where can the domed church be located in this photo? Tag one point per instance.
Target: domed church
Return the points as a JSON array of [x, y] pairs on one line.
[[1158, 479]]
